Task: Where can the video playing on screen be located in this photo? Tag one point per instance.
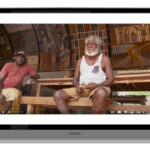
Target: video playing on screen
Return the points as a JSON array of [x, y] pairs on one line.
[[74, 68]]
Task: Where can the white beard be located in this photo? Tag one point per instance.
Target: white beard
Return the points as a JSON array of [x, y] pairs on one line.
[[92, 53]]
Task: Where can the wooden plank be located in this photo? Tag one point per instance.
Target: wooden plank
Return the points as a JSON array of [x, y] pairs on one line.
[[133, 75], [123, 79], [38, 109], [52, 83], [130, 99], [118, 79], [131, 71], [29, 100], [116, 76], [129, 108], [54, 79], [131, 81], [82, 102]]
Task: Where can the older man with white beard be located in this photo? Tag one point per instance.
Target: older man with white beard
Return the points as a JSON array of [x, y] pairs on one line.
[[93, 77]]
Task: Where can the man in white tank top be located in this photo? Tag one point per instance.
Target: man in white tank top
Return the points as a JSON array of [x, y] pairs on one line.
[[93, 77]]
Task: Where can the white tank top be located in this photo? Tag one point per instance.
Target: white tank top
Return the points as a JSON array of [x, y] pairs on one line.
[[91, 73]]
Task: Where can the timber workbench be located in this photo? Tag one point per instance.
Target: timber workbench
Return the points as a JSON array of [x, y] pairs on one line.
[[34, 104]]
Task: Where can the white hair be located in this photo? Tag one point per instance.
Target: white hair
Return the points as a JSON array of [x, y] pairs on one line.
[[97, 41], [94, 38]]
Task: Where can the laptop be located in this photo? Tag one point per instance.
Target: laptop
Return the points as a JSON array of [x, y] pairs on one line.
[[80, 126]]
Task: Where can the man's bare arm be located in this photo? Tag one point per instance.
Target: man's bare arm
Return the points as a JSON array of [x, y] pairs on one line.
[[109, 73], [77, 74]]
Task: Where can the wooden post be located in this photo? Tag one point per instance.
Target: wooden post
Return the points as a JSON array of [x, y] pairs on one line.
[[38, 108], [30, 109]]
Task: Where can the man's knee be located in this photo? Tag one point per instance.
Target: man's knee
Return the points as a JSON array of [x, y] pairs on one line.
[[57, 94], [7, 107], [60, 94], [101, 92]]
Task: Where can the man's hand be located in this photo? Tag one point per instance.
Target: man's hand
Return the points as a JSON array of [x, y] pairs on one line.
[[2, 99], [79, 90], [36, 76], [91, 86]]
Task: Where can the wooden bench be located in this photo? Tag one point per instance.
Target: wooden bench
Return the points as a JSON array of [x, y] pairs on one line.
[[82, 103], [35, 104]]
